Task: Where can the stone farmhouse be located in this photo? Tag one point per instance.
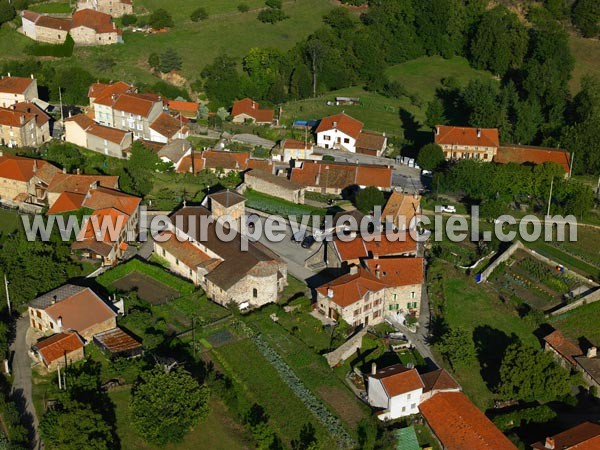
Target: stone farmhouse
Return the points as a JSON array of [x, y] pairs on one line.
[[346, 133], [276, 186], [86, 27], [42, 120], [83, 131], [329, 177], [247, 110], [250, 278], [115, 8], [59, 350], [17, 90], [401, 209], [63, 184], [397, 391], [484, 144], [71, 308], [585, 436], [23, 126]]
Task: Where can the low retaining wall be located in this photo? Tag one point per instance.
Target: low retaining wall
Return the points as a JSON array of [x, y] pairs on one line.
[[483, 276], [346, 350], [586, 300]]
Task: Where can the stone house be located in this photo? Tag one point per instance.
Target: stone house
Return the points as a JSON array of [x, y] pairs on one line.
[[18, 129], [563, 349], [401, 209], [589, 366], [25, 181], [290, 149], [166, 128], [274, 185], [247, 110], [59, 350], [115, 8], [42, 120], [397, 390], [403, 278], [467, 142], [71, 308], [356, 297], [83, 131], [194, 248], [76, 183], [17, 90], [135, 113], [43, 28]]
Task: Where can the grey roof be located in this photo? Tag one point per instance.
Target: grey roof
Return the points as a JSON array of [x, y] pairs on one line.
[[257, 260], [175, 149], [590, 365], [227, 198], [56, 295]]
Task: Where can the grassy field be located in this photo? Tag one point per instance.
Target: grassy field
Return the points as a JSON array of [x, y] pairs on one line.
[[52, 8], [217, 431], [274, 205], [587, 54], [9, 221], [581, 322], [421, 77]]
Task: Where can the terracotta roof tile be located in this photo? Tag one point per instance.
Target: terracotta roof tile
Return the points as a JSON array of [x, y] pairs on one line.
[[134, 104], [214, 159], [89, 238], [342, 122], [273, 179], [80, 311], [333, 175], [439, 380], [185, 251], [402, 205], [117, 341], [96, 20], [185, 163], [14, 85], [294, 144], [12, 118], [81, 183], [396, 271], [350, 288], [266, 165], [459, 425], [113, 135], [392, 245], [369, 140], [522, 154], [23, 169], [42, 20], [56, 346], [175, 105], [41, 117], [567, 348], [67, 201], [399, 380], [251, 108], [166, 125], [585, 436], [102, 197], [227, 198], [449, 135], [103, 93]]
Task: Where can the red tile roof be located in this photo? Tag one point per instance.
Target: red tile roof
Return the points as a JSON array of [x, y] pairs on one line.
[[117, 341], [80, 311], [96, 20], [81, 183], [113, 135], [185, 251], [56, 346], [342, 122], [102, 197], [350, 288], [185, 164], [459, 425], [23, 169], [396, 271], [42, 20], [402, 205], [369, 140], [333, 175], [448, 135], [398, 380], [103, 93], [439, 380], [585, 436], [14, 85], [175, 105], [134, 104], [387, 246], [41, 117], [167, 126], [90, 237], [251, 108], [294, 144], [67, 201], [566, 347], [265, 165], [523, 154], [214, 159], [12, 118]]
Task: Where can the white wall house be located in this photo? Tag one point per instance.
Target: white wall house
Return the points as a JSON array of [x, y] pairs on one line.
[[396, 390], [340, 131]]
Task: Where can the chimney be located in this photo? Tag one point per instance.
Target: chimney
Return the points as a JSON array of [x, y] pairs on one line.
[[592, 352], [31, 75], [373, 368], [334, 124], [329, 292], [478, 132], [353, 270], [549, 443], [253, 105], [34, 166], [54, 298], [94, 185], [59, 323]]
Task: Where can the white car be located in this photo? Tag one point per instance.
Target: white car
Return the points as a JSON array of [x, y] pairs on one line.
[[448, 209]]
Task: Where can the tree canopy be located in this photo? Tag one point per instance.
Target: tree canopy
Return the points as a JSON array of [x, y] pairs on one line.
[[430, 157], [368, 198]]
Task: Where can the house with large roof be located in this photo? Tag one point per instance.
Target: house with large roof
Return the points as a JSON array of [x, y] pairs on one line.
[[83, 131], [116, 8], [59, 350], [16, 90], [42, 120], [585, 436], [194, 247], [247, 110], [467, 142], [401, 210], [71, 308], [341, 131], [459, 425], [19, 129], [44, 28]]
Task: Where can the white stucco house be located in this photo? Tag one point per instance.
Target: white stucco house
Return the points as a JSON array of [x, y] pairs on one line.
[[339, 131], [397, 390]]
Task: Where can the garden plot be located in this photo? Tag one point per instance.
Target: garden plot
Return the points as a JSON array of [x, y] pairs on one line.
[[147, 288], [536, 283]]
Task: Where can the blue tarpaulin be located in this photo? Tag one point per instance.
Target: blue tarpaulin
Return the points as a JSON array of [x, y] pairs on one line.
[[306, 123]]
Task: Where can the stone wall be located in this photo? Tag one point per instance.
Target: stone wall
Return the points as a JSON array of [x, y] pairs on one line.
[[9, 189], [346, 350], [291, 193], [50, 35], [74, 356], [502, 258], [592, 297], [402, 296]]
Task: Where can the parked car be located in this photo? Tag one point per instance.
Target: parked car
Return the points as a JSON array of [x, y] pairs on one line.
[[308, 241], [426, 173], [448, 209]]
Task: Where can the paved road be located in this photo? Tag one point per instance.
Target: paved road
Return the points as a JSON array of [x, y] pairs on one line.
[[21, 388]]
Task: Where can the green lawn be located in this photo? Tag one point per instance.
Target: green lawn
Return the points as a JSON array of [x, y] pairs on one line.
[[218, 431], [274, 205], [10, 220], [586, 53], [262, 384], [580, 322], [52, 8], [421, 77]]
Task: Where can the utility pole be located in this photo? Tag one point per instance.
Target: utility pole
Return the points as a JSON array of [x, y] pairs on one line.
[[59, 378], [571, 165], [550, 196], [7, 295], [62, 118], [194, 335]]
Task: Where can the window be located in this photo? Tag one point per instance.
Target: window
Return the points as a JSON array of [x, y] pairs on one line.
[[394, 296], [404, 409], [254, 292], [39, 314], [51, 325], [391, 307], [485, 156], [376, 314], [327, 137], [346, 141], [413, 406], [412, 294], [190, 272], [408, 396], [356, 312], [408, 305], [367, 307]]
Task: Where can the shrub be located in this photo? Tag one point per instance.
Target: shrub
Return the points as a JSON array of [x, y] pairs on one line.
[[199, 14], [170, 60], [64, 50], [7, 11], [128, 19], [275, 4], [160, 19], [243, 8], [271, 15]]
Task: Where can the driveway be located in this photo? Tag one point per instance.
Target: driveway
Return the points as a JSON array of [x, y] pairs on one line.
[[21, 388]]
